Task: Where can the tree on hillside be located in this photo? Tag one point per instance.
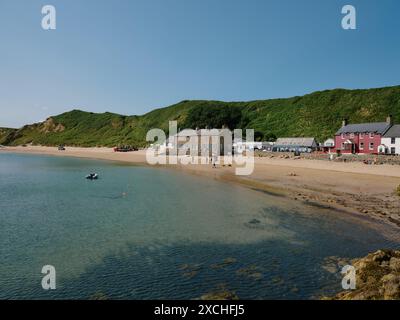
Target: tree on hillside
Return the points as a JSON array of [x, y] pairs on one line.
[[218, 117], [269, 136]]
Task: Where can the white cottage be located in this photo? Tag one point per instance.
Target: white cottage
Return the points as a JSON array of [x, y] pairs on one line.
[[391, 141]]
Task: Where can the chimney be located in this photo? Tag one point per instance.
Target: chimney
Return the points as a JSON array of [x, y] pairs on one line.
[[389, 119], [345, 122]]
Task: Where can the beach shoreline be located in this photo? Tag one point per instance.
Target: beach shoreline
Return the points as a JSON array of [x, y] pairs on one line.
[[355, 188]]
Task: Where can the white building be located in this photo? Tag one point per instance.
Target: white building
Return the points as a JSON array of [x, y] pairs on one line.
[[241, 146], [328, 145], [391, 141], [200, 142]]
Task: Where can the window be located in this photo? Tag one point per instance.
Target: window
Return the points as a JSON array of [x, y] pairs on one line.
[[362, 146], [351, 135], [371, 146], [392, 150], [371, 134], [343, 135], [393, 141], [342, 146], [362, 135]]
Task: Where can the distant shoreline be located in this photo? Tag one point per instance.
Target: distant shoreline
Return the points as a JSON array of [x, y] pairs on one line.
[[355, 188]]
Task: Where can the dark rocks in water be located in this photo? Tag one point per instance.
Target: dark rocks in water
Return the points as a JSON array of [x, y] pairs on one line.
[[190, 274], [254, 221], [225, 263], [98, 296], [222, 293], [190, 270], [252, 272], [256, 224], [377, 277]]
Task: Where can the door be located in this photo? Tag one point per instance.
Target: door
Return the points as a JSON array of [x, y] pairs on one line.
[[392, 150]]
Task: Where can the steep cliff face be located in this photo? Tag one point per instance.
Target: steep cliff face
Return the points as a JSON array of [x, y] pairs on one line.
[[50, 126], [377, 277]]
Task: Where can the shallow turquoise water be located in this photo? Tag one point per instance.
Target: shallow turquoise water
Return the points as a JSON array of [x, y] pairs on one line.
[[146, 233]]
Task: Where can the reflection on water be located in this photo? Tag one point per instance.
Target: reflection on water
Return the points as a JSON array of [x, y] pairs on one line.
[[142, 233]]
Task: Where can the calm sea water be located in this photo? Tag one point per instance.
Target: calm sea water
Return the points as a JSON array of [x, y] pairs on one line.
[[145, 233]]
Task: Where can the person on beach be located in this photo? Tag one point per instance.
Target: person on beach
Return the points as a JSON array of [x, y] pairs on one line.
[[214, 162]]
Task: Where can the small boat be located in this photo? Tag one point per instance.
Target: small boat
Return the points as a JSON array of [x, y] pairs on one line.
[[92, 176], [125, 149]]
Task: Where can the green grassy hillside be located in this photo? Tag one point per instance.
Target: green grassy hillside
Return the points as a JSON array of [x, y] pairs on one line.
[[318, 115], [4, 132]]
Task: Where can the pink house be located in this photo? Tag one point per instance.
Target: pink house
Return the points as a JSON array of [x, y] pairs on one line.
[[363, 138]]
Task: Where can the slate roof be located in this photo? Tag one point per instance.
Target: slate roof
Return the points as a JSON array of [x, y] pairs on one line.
[[393, 132], [377, 127], [198, 132], [304, 142]]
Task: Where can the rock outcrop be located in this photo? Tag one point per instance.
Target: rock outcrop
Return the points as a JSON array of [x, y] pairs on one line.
[[377, 277], [51, 126]]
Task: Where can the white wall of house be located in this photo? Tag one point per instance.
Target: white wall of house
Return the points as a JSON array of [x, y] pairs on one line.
[[245, 145], [330, 143], [388, 142]]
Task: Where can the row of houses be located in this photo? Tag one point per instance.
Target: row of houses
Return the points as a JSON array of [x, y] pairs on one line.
[[362, 138], [220, 141]]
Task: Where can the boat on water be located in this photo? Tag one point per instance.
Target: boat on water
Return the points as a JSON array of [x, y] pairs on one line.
[[92, 176]]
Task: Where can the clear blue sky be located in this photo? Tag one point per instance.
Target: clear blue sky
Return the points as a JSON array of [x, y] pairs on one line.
[[131, 56]]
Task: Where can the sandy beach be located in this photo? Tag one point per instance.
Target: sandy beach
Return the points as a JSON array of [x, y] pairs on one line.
[[365, 190]]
